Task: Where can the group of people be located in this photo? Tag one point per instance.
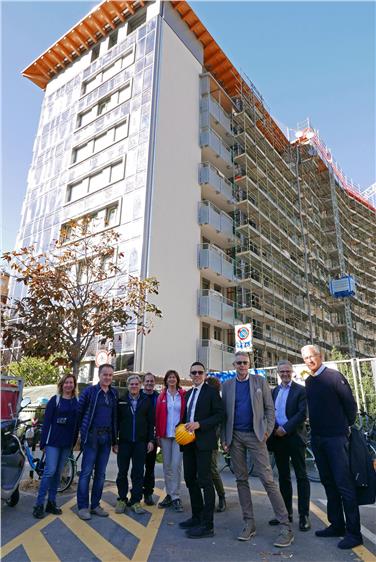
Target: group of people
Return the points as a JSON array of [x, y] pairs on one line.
[[244, 415]]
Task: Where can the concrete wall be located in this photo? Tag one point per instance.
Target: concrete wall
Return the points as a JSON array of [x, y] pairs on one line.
[[174, 231]]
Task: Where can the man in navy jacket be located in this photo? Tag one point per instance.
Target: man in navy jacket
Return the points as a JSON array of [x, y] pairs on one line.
[[97, 419], [332, 409], [289, 440]]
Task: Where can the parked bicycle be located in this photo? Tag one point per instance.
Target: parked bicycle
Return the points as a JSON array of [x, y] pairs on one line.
[[250, 463]]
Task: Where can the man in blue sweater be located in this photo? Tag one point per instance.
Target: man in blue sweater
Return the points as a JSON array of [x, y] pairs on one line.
[[332, 409]]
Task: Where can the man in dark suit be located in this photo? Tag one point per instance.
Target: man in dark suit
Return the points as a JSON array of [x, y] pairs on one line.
[[332, 409], [288, 442], [203, 413]]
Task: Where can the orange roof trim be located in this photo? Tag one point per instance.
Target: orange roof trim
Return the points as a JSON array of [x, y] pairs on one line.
[[92, 28]]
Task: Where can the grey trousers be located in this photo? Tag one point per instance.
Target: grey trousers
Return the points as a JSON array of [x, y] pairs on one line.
[[241, 441], [172, 461]]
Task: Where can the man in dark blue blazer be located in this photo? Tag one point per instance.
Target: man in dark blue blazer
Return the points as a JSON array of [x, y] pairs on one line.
[[332, 410], [289, 440]]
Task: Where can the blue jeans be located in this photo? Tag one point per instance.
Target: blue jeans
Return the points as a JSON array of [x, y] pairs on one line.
[[55, 460], [95, 457]]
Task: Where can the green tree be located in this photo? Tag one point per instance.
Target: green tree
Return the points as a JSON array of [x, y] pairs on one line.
[[35, 371], [76, 292]]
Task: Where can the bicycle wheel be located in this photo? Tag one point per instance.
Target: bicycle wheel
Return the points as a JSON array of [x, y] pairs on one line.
[[67, 475], [312, 470]]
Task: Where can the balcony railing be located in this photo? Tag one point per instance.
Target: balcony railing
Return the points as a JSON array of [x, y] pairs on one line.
[[215, 355], [208, 106], [208, 175], [210, 256], [219, 220], [213, 305], [210, 139]]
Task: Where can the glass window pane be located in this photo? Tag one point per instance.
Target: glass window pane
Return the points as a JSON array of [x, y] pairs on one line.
[[117, 171]]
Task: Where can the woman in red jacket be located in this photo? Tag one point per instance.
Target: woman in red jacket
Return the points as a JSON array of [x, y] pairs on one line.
[[169, 413]]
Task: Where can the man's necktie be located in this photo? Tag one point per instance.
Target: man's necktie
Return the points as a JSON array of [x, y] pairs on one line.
[[193, 397]]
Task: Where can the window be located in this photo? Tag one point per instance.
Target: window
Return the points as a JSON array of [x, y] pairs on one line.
[[205, 285], [82, 152], [128, 58], [125, 93], [111, 213], [121, 131], [113, 39], [217, 333], [76, 190], [95, 52], [85, 118], [135, 22], [102, 141], [103, 105], [205, 331], [117, 171], [99, 180]]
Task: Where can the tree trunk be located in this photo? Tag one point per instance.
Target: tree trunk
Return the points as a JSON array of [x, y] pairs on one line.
[[75, 368]]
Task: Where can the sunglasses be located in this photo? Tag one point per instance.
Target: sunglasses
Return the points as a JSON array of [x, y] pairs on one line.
[[242, 362], [197, 372]]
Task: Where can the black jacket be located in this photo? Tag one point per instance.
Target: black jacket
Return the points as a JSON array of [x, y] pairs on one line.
[[138, 425], [361, 467], [296, 410], [209, 412]]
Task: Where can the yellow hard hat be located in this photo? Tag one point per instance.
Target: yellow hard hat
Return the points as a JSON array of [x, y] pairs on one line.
[[183, 436]]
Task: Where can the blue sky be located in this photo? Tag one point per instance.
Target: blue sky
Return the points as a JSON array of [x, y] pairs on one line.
[[308, 59]]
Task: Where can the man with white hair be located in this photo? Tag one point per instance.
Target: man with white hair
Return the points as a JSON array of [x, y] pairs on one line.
[[289, 440], [332, 409], [136, 438]]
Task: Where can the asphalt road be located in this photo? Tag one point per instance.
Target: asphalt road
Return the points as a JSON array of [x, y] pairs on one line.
[[156, 537]]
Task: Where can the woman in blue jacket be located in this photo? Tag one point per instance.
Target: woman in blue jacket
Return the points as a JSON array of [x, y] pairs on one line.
[[59, 434]]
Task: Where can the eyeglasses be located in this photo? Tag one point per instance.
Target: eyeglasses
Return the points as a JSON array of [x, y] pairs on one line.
[[242, 362], [285, 372], [197, 372]]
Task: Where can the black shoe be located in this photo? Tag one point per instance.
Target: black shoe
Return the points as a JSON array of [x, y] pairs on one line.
[[38, 511], [221, 504], [149, 500], [330, 532], [166, 502], [304, 523], [200, 532], [349, 541], [177, 505], [190, 523], [51, 507]]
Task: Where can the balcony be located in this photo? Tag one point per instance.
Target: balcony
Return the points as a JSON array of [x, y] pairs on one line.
[[217, 265], [217, 225], [215, 151], [213, 115], [215, 187], [214, 306], [215, 355]]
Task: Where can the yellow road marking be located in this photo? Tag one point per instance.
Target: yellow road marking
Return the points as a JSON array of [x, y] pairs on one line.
[[93, 540], [29, 538], [360, 551], [39, 550]]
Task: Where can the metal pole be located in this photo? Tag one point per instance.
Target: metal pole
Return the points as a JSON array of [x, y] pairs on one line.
[[361, 386], [353, 370]]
